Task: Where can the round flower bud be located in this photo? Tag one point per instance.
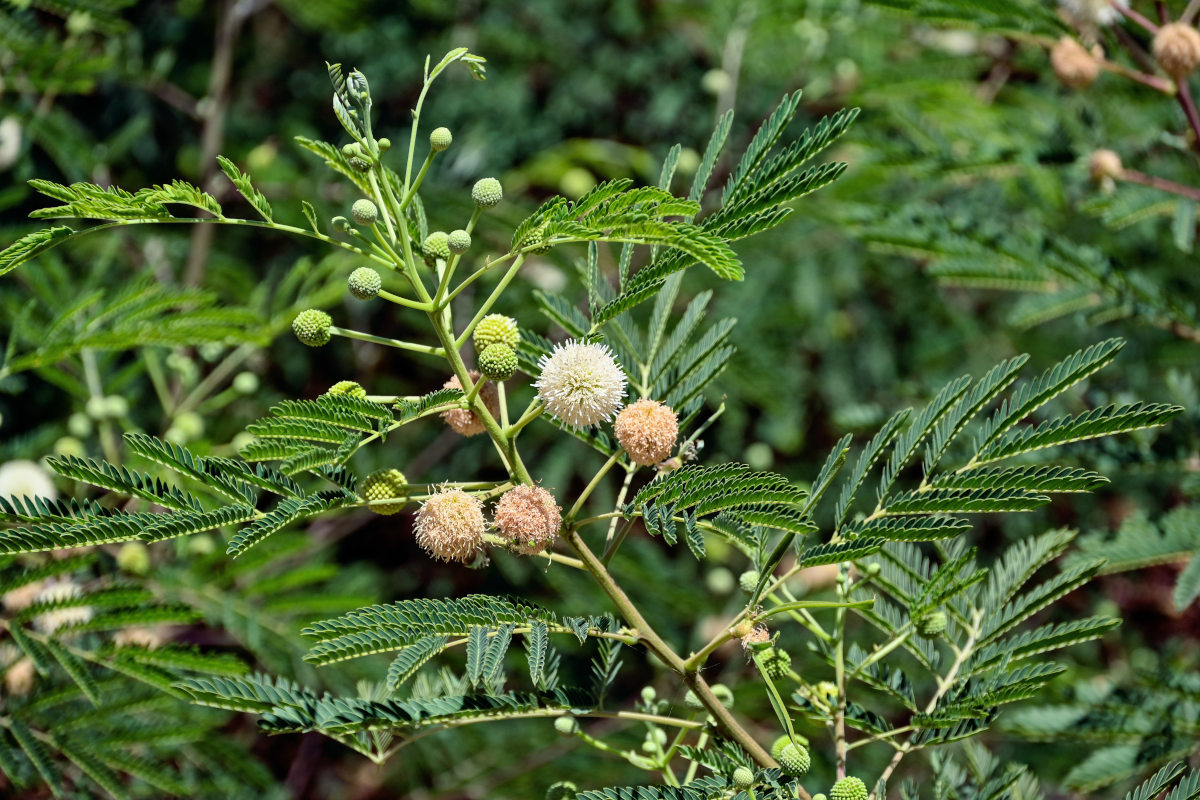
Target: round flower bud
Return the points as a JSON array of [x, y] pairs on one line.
[[1074, 66], [1104, 164], [487, 192], [743, 778], [364, 212], [826, 692], [723, 693], [581, 384], [784, 741], [496, 329], [385, 485], [385, 144], [748, 580], [566, 725], [340, 223], [931, 624], [437, 245], [350, 149], [849, 788], [498, 362], [459, 241], [874, 568], [777, 663], [1176, 48], [245, 383], [527, 517], [647, 430], [351, 388], [795, 760], [450, 525], [440, 139], [648, 694], [134, 558], [819, 796], [563, 790], [463, 420], [364, 283], [312, 327]]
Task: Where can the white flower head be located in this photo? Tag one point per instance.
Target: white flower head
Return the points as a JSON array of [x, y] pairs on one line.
[[581, 383], [26, 479], [60, 592], [1092, 12]]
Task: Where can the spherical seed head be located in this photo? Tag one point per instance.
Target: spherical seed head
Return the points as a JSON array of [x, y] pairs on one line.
[[312, 327], [440, 139], [566, 725], [450, 525], [647, 430], [364, 283], [498, 362], [777, 663], [487, 192], [134, 558], [463, 420], [563, 790], [795, 760], [364, 212], [931, 625], [385, 485], [437, 245], [459, 241], [748, 580], [849, 788], [743, 778], [1176, 48], [351, 388], [581, 384], [1073, 65], [528, 517], [496, 329], [1104, 164]]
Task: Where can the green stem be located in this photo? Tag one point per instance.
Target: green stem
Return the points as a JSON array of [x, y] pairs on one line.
[[403, 301], [534, 411], [397, 343], [487, 304], [591, 487]]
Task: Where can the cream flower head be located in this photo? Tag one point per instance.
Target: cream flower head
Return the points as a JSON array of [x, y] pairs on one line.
[[450, 525], [581, 383]]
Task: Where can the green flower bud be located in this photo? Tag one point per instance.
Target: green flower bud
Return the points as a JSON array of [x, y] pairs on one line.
[[849, 788], [385, 144], [930, 625], [743, 778], [69, 446], [498, 362], [201, 545], [245, 383], [819, 796], [567, 726], [134, 558], [874, 568], [723, 693], [795, 760], [384, 485], [79, 424], [340, 223], [563, 790], [487, 192], [116, 406], [350, 149], [364, 212], [437, 245], [535, 241], [777, 663], [648, 694], [496, 329], [312, 327], [459, 241], [748, 580], [364, 283], [692, 700], [350, 388], [359, 164], [440, 139]]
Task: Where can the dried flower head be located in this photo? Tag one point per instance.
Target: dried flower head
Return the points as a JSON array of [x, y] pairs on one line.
[[580, 383], [18, 679], [528, 517], [1176, 48], [1074, 66], [1104, 164], [463, 420], [647, 430], [758, 638], [450, 525]]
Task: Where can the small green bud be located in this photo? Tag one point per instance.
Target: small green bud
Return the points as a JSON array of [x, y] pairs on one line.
[[312, 327], [459, 241], [440, 139], [723, 693], [437, 245], [364, 283], [748, 580], [743, 778], [350, 149], [134, 558], [931, 624], [563, 790], [350, 388], [777, 663], [340, 223], [660, 736], [201, 545], [849, 788], [819, 796], [648, 694], [783, 741], [79, 424], [498, 362], [115, 406], [364, 212], [487, 192], [385, 144], [384, 485], [245, 383], [69, 446], [496, 329], [794, 759], [692, 700], [827, 691], [567, 726], [874, 568]]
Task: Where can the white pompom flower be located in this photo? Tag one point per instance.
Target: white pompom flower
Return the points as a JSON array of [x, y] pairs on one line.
[[1092, 12], [581, 383]]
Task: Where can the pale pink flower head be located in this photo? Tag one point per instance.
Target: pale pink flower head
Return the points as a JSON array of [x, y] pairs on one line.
[[647, 430], [464, 421], [528, 517]]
